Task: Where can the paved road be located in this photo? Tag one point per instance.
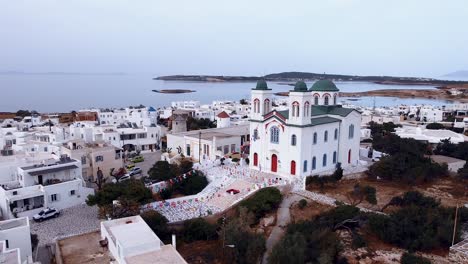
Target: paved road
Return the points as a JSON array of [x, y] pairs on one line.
[[150, 159], [283, 217]]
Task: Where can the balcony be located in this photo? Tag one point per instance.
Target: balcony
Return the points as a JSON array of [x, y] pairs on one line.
[[27, 207]]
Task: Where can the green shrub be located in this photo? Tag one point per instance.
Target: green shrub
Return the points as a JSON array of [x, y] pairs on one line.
[[435, 126], [358, 241], [421, 224], [199, 229], [132, 190], [192, 184], [235, 160], [157, 222], [408, 258], [262, 202], [302, 204], [166, 193]]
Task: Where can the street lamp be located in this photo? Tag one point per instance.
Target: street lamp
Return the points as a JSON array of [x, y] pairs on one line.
[[199, 147]]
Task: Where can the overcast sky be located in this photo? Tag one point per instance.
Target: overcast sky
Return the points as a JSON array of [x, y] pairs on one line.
[[237, 37]]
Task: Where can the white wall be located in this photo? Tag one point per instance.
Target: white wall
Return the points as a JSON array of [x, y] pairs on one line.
[[64, 197], [18, 237]]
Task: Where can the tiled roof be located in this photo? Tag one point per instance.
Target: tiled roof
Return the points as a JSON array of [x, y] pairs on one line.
[[330, 110], [223, 115], [323, 120]]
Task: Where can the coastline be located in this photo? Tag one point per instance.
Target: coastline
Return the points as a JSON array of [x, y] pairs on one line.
[[289, 78], [437, 94]]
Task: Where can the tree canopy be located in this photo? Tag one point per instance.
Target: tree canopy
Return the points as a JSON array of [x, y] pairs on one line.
[[263, 201], [420, 223]]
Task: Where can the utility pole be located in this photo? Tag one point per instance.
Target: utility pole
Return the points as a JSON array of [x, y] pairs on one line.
[[199, 147], [455, 225]]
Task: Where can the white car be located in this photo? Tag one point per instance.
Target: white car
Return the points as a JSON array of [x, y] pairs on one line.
[[46, 214], [126, 177]]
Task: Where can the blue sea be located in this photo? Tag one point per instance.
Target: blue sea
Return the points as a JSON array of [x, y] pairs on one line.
[[58, 93]]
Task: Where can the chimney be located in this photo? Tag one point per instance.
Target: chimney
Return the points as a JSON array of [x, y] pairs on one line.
[[174, 241]]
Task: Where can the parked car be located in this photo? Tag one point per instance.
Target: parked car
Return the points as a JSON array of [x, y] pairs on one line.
[[126, 177], [135, 171], [138, 159], [46, 214], [233, 191], [130, 166]]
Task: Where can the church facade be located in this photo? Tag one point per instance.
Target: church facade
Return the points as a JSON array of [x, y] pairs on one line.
[[309, 138]]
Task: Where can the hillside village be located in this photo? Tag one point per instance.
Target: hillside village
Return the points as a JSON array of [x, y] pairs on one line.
[[267, 179]]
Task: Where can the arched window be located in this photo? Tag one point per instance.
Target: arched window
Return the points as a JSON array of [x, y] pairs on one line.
[[325, 136], [305, 166], [255, 134], [295, 109], [274, 135], [255, 159], [314, 163], [324, 161], [266, 105], [351, 131], [293, 140], [336, 133], [256, 105], [334, 157], [334, 99], [306, 109], [316, 99], [315, 138], [325, 100]]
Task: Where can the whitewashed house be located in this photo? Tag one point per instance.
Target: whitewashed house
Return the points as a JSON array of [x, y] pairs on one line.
[[51, 183], [15, 241], [131, 241]]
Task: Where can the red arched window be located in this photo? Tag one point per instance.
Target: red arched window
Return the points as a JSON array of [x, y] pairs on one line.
[[255, 159], [306, 109], [256, 105], [266, 105], [295, 109]]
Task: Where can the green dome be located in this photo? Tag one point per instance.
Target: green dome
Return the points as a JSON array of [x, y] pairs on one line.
[[324, 86], [261, 85], [300, 87]]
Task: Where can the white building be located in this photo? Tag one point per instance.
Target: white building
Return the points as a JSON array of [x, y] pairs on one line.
[[223, 120], [428, 135], [51, 183], [309, 138], [131, 241], [94, 156], [213, 143], [15, 241]]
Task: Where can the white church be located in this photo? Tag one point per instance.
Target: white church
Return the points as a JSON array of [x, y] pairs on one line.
[[308, 139]]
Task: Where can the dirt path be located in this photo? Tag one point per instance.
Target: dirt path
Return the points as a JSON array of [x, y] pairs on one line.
[[283, 217]]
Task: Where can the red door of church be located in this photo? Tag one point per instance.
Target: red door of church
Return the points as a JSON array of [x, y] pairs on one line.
[[274, 163], [293, 167], [255, 159]]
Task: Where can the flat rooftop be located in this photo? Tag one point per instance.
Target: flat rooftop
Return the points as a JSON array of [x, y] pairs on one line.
[[13, 223], [166, 255], [210, 133], [49, 163], [83, 248]]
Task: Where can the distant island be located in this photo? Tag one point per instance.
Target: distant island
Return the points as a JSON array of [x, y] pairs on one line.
[[174, 91], [308, 76], [457, 74]]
